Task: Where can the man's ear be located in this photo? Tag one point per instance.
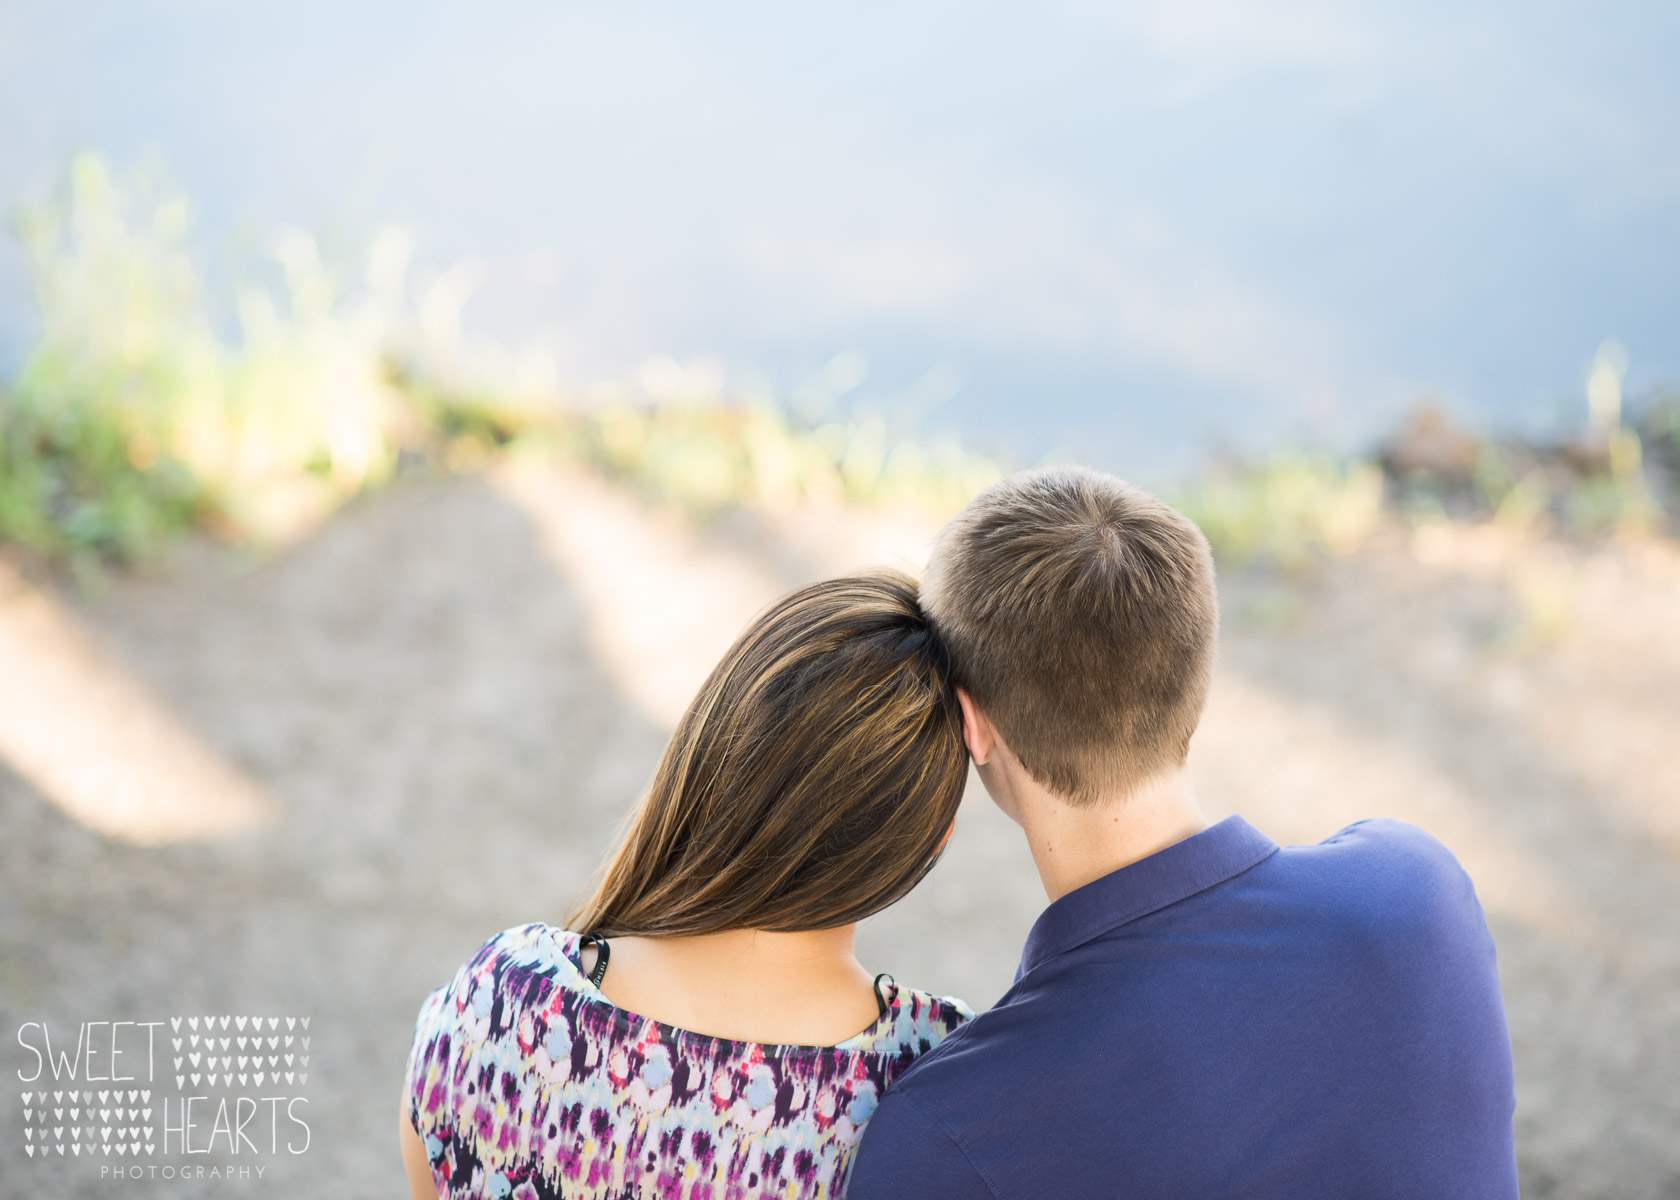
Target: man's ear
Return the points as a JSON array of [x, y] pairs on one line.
[[977, 730]]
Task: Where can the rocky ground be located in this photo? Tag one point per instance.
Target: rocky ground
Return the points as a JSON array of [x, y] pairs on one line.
[[312, 784]]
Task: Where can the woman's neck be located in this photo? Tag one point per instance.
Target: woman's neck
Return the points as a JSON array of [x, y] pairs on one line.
[[747, 985], [756, 950]]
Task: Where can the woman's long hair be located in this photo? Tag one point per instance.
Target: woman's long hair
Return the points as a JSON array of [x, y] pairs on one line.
[[810, 783]]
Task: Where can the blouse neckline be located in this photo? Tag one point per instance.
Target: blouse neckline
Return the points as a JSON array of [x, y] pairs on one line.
[[864, 1041]]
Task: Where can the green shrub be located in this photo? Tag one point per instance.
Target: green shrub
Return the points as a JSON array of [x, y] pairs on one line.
[[1287, 509], [132, 419], [86, 458]]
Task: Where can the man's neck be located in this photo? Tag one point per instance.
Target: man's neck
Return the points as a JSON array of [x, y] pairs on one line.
[[1075, 846]]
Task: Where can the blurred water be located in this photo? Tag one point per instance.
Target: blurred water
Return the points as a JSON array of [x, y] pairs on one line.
[[1125, 231]]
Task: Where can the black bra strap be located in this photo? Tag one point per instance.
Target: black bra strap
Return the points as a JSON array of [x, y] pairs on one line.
[[879, 998], [603, 952]]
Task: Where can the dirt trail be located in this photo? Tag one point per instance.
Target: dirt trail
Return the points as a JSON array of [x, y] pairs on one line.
[[428, 719]]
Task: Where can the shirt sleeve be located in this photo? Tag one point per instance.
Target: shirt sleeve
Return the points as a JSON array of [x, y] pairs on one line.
[[418, 1075], [906, 1153]]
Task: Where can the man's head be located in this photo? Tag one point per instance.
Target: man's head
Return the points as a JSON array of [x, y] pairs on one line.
[[1081, 617]]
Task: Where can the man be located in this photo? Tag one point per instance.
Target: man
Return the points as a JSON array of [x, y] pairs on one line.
[[1198, 1013]]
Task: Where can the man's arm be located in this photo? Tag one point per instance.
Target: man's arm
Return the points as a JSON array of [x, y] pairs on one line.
[[905, 1153]]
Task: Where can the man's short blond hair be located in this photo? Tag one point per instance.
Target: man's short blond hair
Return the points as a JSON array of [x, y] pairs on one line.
[[1081, 617]]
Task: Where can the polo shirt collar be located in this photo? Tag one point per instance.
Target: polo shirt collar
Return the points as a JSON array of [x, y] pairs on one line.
[[1210, 857]]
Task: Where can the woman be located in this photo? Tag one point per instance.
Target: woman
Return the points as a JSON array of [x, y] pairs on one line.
[[703, 1028]]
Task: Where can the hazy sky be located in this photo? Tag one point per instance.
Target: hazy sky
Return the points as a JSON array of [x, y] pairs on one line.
[[1122, 229]]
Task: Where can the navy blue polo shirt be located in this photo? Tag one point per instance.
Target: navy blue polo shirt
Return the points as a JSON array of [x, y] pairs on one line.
[[1226, 1018]]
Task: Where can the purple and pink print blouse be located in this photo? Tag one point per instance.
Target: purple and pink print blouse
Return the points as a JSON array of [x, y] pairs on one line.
[[525, 1082]]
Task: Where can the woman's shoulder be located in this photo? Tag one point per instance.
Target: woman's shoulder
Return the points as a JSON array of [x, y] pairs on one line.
[[503, 1009], [943, 1012], [916, 1021], [534, 943], [519, 959]]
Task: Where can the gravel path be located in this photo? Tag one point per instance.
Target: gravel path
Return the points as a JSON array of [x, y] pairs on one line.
[[313, 785]]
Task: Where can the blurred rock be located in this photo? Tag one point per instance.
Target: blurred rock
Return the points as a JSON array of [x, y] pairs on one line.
[[1429, 448]]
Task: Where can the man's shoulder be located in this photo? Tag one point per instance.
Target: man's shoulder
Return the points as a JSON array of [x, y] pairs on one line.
[[984, 1052], [1384, 882], [1382, 853], [1385, 837]]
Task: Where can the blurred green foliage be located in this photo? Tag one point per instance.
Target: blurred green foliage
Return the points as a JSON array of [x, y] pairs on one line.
[[134, 418], [704, 455], [1288, 509], [700, 453], [86, 465]]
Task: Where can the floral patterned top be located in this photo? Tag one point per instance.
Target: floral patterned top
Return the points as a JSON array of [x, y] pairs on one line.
[[525, 1081]]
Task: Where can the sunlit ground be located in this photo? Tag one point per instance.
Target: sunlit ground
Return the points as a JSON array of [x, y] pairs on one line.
[[322, 781], [96, 743]]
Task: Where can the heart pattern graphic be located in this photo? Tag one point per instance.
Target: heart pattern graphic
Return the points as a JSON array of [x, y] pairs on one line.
[[250, 1054], [120, 1130]]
